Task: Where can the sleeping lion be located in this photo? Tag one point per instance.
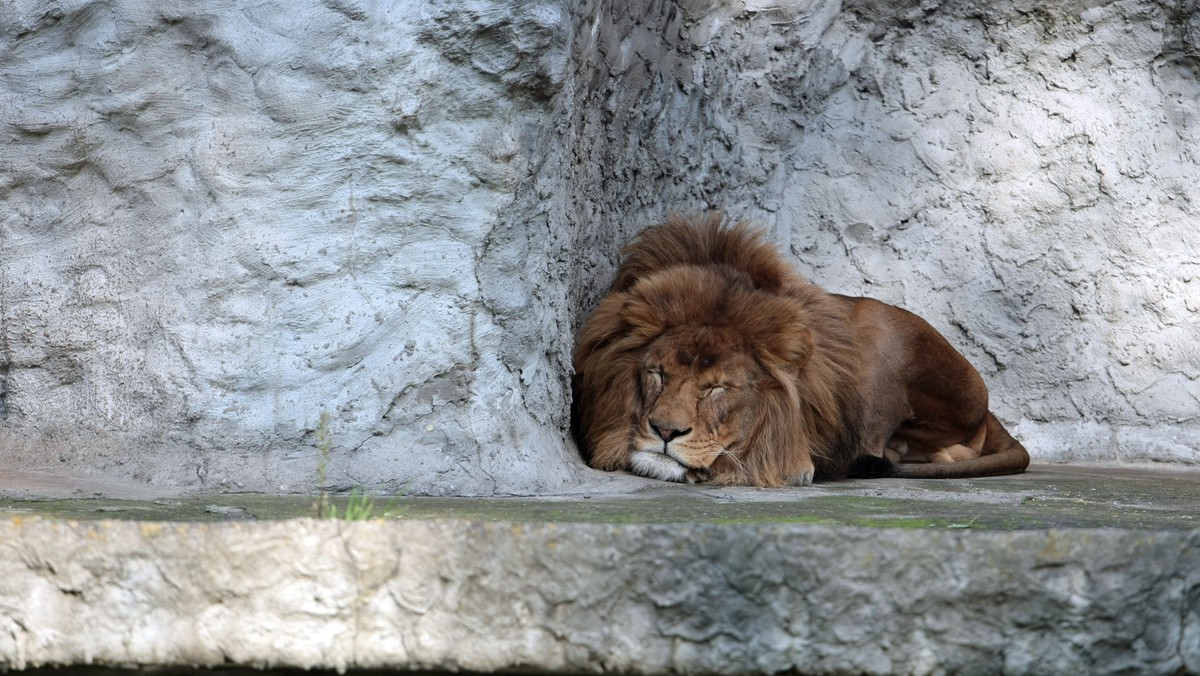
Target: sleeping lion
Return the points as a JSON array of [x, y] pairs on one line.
[[710, 359]]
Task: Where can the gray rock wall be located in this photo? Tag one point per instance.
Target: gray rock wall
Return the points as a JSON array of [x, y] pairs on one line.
[[219, 221]]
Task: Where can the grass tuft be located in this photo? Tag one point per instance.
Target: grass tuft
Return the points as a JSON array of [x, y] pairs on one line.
[[360, 507]]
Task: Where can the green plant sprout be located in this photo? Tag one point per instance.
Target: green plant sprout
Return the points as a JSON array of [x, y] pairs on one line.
[[324, 508], [360, 507], [964, 525]]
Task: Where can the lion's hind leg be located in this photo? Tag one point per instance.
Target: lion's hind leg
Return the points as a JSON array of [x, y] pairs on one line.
[[954, 453], [960, 452], [902, 451], [991, 452]]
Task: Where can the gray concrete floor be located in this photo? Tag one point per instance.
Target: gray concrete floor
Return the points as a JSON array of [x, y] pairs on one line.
[[1046, 496]]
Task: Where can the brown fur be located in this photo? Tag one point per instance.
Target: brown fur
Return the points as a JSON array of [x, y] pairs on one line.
[[710, 359]]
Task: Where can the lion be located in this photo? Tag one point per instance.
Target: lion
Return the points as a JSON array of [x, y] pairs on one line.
[[711, 360]]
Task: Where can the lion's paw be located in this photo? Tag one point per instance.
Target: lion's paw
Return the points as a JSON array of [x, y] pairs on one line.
[[803, 479], [805, 476], [658, 466]]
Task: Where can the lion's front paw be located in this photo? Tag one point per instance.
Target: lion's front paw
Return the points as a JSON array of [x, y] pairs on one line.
[[658, 466], [805, 476], [804, 479]]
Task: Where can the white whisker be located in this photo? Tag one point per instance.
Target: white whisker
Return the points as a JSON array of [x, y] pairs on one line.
[[725, 452]]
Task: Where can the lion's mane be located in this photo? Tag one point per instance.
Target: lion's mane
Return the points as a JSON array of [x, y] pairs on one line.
[[705, 272]]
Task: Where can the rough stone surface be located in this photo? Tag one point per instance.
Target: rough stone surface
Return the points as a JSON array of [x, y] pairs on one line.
[[462, 595], [220, 220]]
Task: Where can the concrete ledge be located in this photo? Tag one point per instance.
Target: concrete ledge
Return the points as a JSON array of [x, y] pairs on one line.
[[587, 597]]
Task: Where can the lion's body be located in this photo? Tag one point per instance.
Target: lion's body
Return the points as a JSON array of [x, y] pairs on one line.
[[710, 359]]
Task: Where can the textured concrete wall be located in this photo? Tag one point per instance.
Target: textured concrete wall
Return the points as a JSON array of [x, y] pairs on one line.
[[220, 220], [585, 598]]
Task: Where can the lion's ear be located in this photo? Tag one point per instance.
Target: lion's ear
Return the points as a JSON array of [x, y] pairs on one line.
[[789, 349], [798, 347], [802, 346]]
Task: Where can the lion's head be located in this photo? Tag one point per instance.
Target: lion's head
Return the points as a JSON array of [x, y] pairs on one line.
[[700, 393], [697, 372]]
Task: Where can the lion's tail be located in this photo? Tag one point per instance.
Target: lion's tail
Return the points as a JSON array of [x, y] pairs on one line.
[[1002, 454]]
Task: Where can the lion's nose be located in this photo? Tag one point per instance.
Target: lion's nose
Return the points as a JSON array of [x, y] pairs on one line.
[[667, 433]]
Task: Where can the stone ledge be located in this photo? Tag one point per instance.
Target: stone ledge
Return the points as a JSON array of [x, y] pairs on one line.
[[476, 595], [1154, 498]]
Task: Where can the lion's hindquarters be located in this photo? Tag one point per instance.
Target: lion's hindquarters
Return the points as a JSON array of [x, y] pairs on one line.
[[1002, 454], [943, 427], [961, 438]]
